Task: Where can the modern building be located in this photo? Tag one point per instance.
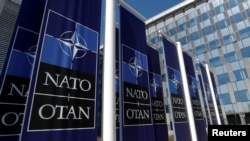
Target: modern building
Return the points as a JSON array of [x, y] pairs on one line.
[[8, 14], [215, 32]]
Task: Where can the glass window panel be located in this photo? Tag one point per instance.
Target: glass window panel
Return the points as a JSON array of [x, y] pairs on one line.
[[225, 98], [200, 49], [172, 32], [183, 40], [214, 44], [236, 18], [229, 39], [248, 12], [219, 9], [233, 3], [245, 52], [194, 36], [207, 30], [240, 74], [221, 24], [241, 95], [214, 62], [230, 57], [246, 106], [223, 78], [182, 27], [244, 33]]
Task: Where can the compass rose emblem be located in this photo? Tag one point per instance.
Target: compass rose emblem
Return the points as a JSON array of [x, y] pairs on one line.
[[175, 81], [73, 45], [135, 67]]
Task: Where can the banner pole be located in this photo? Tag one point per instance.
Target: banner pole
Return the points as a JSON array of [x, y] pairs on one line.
[[108, 93], [213, 95], [186, 93]]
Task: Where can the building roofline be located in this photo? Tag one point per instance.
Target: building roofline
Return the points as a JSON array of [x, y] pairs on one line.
[[170, 11]]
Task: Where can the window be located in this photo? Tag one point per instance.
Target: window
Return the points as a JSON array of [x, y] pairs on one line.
[[214, 44], [244, 33], [221, 24], [230, 57], [219, 9], [206, 15], [200, 49], [153, 37], [214, 62], [223, 78], [172, 31], [207, 30], [183, 40], [229, 39], [245, 52], [233, 3], [194, 36], [240, 74], [225, 98], [182, 27], [248, 12], [236, 18], [241, 95]]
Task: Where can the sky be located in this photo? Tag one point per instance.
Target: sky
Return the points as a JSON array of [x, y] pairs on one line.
[[149, 8]]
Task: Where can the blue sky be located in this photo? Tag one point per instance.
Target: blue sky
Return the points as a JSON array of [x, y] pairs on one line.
[[149, 8]]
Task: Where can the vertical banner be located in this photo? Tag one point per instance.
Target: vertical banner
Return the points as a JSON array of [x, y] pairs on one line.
[[208, 97], [15, 78], [136, 118], [157, 98], [177, 102], [196, 102], [62, 99], [217, 97], [204, 101]]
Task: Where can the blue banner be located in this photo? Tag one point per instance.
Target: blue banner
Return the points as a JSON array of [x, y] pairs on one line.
[[157, 98], [16, 74], [62, 100], [217, 97], [178, 104], [208, 96], [200, 123], [136, 118]]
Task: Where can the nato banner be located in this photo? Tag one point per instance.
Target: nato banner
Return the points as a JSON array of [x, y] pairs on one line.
[[217, 97], [178, 104], [208, 96], [15, 78], [157, 98], [62, 99], [137, 112], [200, 123]]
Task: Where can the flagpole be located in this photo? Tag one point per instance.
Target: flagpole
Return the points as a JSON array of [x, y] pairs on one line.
[[186, 93], [108, 92], [213, 95]]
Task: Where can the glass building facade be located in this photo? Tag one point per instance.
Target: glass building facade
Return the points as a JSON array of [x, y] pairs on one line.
[[215, 32]]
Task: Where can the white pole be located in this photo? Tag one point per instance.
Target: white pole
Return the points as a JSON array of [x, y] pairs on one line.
[[108, 93], [186, 93], [213, 95]]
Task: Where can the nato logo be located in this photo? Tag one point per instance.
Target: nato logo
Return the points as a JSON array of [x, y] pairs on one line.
[[175, 81], [23, 53], [69, 44], [155, 85], [135, 67], [193, 86]]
